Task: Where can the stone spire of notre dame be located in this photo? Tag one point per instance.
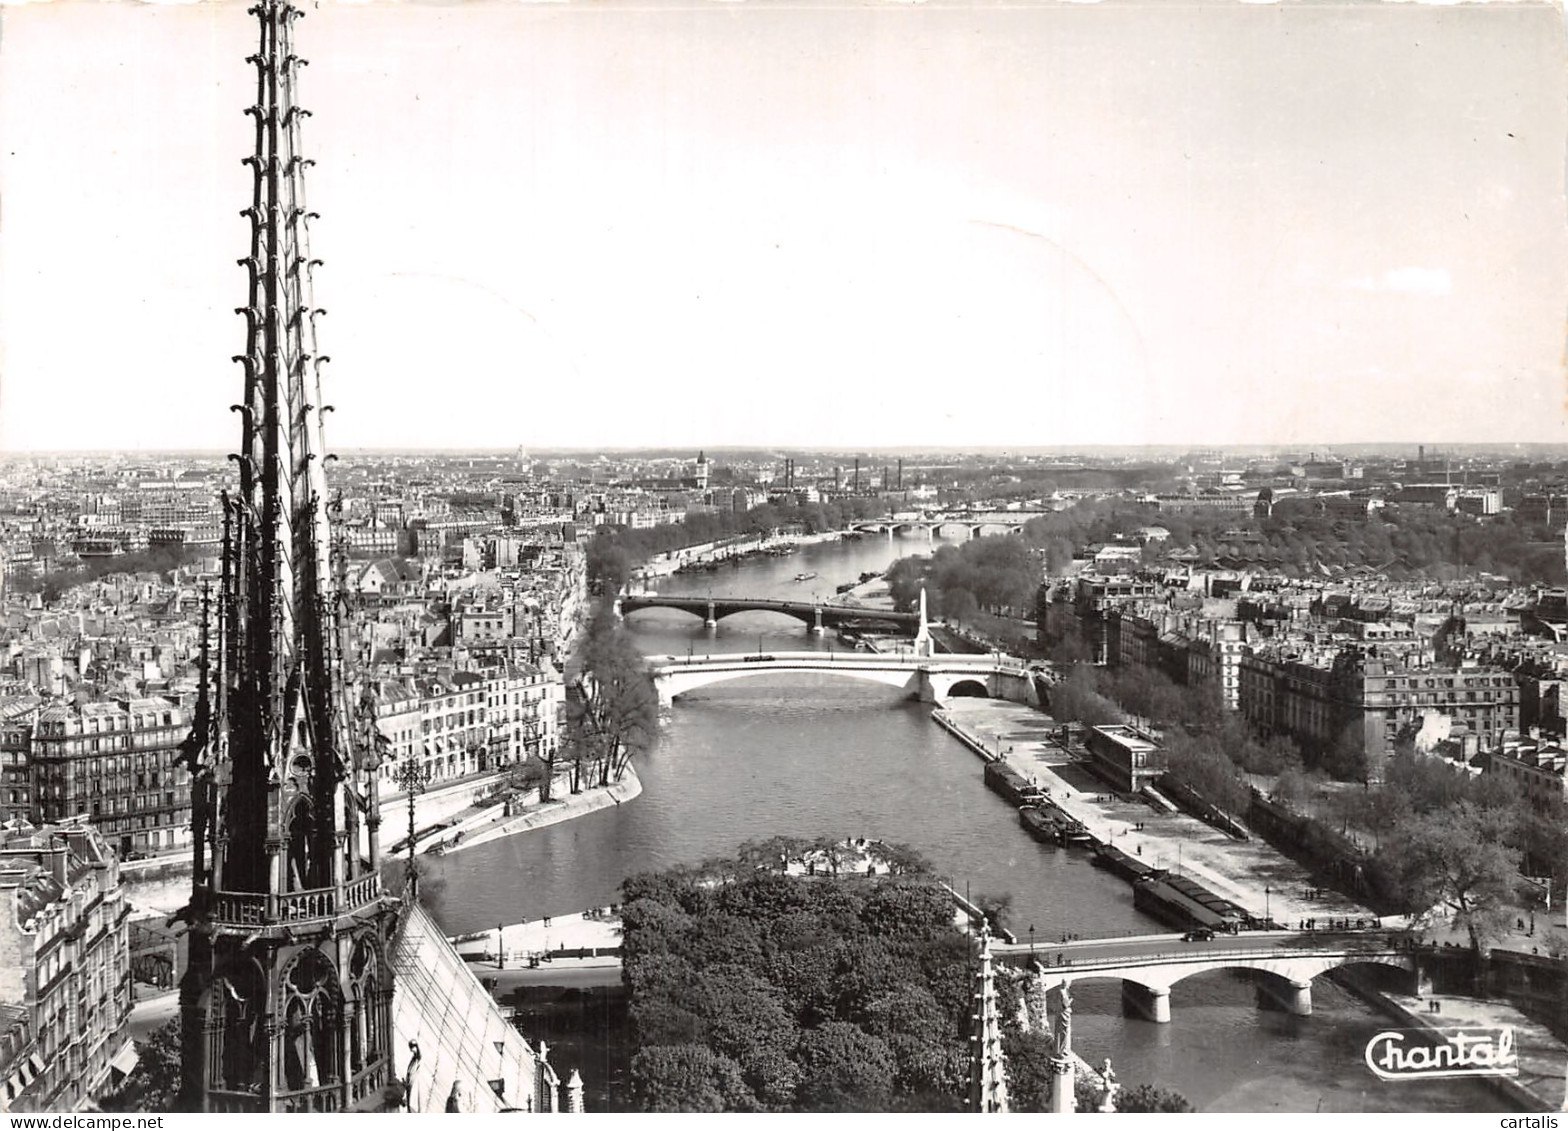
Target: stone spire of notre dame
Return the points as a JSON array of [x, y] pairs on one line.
[[287, 1000], [987, 1064]]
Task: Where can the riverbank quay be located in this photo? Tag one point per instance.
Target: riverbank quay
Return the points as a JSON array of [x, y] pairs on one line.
[[1251, 874], [1542, 1082], [491, 825], [564, 938], [433, 810], [161, 885]]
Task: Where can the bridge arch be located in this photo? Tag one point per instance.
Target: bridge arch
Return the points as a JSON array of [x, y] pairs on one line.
[[720, 611], [1305, 968], [1283, 981], [676, 684], [954, 530], [627, 614], [968, 689]]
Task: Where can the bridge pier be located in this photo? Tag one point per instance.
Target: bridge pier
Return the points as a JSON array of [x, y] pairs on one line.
[[1285, 995], [1300, 1000], [710, 622], [1139, 1000], [816, 622]]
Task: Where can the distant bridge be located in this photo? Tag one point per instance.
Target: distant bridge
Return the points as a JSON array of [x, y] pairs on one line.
[[961, 525], [929, 678], [1285, 962], [813, 613]]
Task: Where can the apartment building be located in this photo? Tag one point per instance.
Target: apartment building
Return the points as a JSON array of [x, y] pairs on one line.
[[64, 963]]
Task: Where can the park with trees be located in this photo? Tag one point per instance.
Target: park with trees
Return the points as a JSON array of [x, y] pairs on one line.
[[754, 989]]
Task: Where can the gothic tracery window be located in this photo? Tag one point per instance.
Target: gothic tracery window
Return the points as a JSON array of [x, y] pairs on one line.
[[310, 1016], [366, 1034], [237, 1010]]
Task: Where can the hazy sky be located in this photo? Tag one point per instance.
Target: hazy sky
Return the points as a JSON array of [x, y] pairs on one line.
[[773, 223]]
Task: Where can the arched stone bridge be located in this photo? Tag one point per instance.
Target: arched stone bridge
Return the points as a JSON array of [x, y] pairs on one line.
[[1285, 962], [948, 525], [814, 614], [928, 678]]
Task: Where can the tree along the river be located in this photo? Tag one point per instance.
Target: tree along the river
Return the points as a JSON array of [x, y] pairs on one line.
[[612, 708], [755, 989], [1456, 864]]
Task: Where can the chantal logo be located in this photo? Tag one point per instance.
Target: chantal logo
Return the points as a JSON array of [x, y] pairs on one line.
[[1427, 1054]]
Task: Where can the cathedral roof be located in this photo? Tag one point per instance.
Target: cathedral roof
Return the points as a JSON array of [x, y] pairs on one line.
[[463, 1036]]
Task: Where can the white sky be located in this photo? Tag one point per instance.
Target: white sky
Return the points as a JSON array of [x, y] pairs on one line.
[[781, 224]]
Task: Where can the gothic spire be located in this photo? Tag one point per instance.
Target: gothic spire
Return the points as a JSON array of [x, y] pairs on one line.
[[286, 703], [286, 1002], [987, 1065]]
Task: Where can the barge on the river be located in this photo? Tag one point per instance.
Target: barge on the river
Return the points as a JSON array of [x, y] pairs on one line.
[[1051, 825], [1187, 904], [1017, 789]]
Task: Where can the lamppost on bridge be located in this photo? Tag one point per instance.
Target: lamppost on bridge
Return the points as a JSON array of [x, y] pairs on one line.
[[1031, 940], [1268, 915]]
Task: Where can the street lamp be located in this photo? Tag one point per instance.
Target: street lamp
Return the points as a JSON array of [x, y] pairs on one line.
[[1031, 940], [413, 777], [1268, 917]]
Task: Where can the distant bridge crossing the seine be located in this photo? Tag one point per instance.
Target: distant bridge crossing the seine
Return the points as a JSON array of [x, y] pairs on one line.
[[963, 524], [816, 614]]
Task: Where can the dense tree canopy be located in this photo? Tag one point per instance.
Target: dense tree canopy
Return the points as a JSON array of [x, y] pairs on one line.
[[612, 711], [757, 990], [997, 574], [1297, 539], [814, 993]]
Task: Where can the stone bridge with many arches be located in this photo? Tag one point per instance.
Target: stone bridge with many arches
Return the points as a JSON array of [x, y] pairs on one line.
[[964, 525], [815, 614]]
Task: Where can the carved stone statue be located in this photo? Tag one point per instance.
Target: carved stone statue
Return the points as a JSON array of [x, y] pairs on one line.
[[1108, 1075], [1064, 1023]]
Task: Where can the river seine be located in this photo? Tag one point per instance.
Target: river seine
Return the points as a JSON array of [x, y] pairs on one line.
[[811, 756]]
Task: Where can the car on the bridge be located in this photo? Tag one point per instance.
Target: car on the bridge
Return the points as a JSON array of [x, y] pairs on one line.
[[1198, 934]]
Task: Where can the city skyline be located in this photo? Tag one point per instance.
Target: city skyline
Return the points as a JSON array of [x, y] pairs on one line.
[[1208, 226]]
